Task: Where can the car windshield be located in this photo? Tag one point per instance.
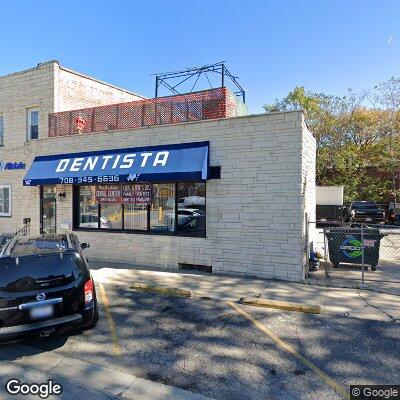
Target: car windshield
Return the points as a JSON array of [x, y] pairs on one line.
[[89, 218], [39, 245], [364, 205]]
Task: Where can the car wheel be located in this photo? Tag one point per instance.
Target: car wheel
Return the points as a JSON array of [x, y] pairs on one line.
[[373, 268]]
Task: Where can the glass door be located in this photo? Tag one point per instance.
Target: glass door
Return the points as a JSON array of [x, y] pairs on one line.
[[48, 209]]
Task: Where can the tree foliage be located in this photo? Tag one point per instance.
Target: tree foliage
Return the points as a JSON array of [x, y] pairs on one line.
[[358, 138]]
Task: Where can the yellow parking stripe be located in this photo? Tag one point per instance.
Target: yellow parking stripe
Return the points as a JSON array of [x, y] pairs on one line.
[[111, 324], [283, 345]]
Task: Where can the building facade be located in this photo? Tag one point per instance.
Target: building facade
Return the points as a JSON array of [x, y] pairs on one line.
[[236, 198]]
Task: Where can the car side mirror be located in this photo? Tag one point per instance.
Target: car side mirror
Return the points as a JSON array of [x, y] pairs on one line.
[[85, 245]]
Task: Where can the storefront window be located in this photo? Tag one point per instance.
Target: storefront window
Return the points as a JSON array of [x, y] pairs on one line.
[[111, 216], [144, 207], [162, 208], [135, 216], [48, 209], [89, 213], [191, 209]]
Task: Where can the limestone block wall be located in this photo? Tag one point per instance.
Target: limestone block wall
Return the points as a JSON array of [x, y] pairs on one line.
[[255, 212]]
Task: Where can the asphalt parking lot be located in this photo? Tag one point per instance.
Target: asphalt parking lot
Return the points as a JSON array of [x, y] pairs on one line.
[[207, 347]]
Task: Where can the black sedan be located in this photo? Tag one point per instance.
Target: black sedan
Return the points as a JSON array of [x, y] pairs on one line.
[[45, 287]]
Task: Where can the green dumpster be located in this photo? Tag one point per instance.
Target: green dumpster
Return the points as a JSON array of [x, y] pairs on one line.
[[345, 247]]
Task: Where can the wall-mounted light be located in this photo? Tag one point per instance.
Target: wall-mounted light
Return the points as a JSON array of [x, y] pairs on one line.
[[61, 195]]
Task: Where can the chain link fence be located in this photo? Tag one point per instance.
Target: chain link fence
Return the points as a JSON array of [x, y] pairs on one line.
[[363, 252]]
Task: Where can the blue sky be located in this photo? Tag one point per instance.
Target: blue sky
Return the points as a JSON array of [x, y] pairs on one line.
[[271, 45]]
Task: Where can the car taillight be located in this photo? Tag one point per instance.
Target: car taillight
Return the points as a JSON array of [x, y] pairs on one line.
[[88, 291]]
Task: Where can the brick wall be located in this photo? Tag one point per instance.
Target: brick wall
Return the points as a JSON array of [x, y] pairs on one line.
[[255, 212], [33, 88], [74, 90], [49, 88]]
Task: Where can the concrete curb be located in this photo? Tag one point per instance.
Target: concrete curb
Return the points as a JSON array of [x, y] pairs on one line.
[[96, 377], [282, 305], [166, 291]]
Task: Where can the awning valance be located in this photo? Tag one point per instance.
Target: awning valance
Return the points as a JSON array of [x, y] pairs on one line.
[[178, 162]]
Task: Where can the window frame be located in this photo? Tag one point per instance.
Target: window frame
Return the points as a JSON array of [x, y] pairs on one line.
[[1, 129], [29, 123], [148, 231], [9, 214]]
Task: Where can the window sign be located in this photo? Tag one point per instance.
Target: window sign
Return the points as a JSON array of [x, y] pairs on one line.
[[136, 193], [127, 194], [106, 194]]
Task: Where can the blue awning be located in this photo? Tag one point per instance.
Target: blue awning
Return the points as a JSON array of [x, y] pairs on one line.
[[178, 162]]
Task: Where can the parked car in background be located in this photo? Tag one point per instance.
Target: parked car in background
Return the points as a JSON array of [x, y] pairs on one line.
[[191, 201], [191, 211], [45, 287], [192, 225], [394, 214], [366, 212], [192, 221], [92, 221]]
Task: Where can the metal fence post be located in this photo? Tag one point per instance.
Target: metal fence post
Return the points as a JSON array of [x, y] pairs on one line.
[[362, 253], [325, 256]]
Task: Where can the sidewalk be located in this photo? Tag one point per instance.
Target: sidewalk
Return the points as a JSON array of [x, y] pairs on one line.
[[358, 303], [79, 378]]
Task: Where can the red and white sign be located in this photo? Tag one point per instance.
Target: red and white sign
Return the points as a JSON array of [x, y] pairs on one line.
[[80, 123], [106, 194], [138, 193]]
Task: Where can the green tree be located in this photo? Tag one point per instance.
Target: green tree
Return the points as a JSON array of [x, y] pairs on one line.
[[356, 144]]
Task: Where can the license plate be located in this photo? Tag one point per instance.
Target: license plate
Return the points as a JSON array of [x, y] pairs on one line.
[[42, 312], [368, 219]]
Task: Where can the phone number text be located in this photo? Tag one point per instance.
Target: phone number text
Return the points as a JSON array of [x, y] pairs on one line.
[[91, 179]]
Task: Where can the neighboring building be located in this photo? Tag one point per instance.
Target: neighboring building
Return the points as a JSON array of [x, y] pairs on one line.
[[28, 97], [173, 182], [329, 195], [329, 203]]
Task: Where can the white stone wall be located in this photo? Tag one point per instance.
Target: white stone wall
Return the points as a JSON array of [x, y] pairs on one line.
[[309, 152], [255, 212]]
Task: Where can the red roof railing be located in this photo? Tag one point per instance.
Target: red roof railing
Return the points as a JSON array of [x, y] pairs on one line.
[[207, 104]]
